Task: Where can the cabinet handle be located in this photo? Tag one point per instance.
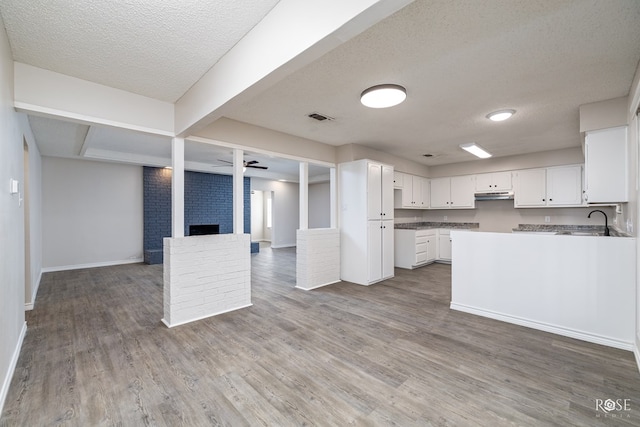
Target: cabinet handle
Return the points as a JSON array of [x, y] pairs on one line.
[[551, 200], [544, 200]]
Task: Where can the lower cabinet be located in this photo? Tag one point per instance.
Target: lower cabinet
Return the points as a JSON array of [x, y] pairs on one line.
[[380, 250], [414, 248], [444, 242]]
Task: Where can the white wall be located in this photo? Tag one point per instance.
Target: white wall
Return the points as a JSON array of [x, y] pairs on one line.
[[92, 213], [14, 129], [319, 205], [286, 201]]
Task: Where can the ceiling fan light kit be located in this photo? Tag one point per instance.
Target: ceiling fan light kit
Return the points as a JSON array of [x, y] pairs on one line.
[[383, 96], [476, 150]]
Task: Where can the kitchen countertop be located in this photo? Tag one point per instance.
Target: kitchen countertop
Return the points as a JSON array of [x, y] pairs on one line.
[[433, 225], [563, 228]]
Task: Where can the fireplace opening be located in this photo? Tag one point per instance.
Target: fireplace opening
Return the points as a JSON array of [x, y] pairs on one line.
[[203, 229]]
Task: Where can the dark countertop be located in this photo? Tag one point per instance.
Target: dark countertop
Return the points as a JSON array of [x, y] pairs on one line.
[[433, 225], [562, 228]]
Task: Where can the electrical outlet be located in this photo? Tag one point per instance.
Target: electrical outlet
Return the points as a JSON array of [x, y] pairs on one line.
[[445, 218], [547, 219]]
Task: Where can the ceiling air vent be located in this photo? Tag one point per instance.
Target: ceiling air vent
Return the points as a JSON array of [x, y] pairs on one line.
[[319, 117]]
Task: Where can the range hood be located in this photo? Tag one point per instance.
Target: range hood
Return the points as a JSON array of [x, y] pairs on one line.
[[495, 195]]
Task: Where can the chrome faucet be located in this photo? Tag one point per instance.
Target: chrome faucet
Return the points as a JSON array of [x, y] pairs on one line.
[[606, 227]]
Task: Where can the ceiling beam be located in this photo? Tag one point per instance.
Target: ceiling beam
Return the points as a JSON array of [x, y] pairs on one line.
[[292, 35]]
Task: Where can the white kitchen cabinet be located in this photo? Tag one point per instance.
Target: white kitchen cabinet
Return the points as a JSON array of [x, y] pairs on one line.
[[564, 186], [530, 188], [398, 180], [414, 193], [606, 166], [495, 181], [366, 221], [379, 191], [414, 248], [444, 245], [453, 192], [544, 187]]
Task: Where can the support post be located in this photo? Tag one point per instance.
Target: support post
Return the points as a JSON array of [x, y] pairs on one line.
[[238, 191], [304, 195], [333, 198], [177, 187]]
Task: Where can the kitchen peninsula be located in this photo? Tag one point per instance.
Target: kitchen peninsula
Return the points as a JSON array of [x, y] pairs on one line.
[[573, 285]]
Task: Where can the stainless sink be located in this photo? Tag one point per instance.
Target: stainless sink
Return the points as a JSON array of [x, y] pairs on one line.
[[579, 233]]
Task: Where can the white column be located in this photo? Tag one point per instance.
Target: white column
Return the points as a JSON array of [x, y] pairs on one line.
[[238, 191], [177, 187], [304, 196], [333, 198]]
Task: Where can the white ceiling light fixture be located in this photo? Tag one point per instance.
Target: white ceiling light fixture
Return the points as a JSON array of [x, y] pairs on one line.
[[498, 116], [383, 96], [476, 150]]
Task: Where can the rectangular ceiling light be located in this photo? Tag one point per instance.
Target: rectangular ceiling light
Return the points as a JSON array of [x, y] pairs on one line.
[[476, 150]]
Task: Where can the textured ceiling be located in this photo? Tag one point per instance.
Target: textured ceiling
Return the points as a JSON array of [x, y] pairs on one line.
[[459, 60], [154, 48]]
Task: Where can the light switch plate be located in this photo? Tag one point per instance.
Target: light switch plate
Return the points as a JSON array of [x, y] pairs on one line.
[[13, 186]]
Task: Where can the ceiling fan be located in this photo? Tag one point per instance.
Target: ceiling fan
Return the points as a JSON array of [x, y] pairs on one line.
[[249, 164]]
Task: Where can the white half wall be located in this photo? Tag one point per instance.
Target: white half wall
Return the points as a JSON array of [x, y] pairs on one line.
[[92, 213], [285, 208], [205, 276], [317, 258]]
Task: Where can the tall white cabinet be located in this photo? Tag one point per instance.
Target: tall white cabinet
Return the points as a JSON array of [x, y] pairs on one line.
[[366, 221]]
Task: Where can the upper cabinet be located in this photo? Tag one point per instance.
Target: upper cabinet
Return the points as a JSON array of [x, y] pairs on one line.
[[555, 186], [414, 193], [496, 181], [453, 193], [606, 167], [379, 191], [398, 180]]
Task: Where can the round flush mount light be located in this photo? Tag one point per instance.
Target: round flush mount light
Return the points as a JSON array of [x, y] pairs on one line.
[[498, 116], [383, 96]]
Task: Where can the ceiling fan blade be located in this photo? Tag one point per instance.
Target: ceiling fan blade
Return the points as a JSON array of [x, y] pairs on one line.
[[252, 162], [257, 167], [225, 161]]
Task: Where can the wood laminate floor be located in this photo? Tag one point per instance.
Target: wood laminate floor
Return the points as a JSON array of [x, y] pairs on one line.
[[393, 353]]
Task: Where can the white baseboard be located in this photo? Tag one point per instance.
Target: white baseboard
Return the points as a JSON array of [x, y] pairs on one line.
[[554, 329], [286, 245], [636, 353], [12, 367], [92, 265], [173, 325], [317, 286], [30, 304]]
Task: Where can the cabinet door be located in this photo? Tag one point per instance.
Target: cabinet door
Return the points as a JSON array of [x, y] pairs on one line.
[[530, 188], [484, 182], [398, 179], [407, 192], [387, 192], [564, 186], [374, 252], [386, 260], [445, 247], [440, 192], [502, 181], [606, 166], [432, 247], [463, 192], [374, 191], [424, 198]]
